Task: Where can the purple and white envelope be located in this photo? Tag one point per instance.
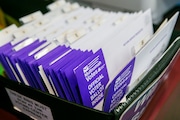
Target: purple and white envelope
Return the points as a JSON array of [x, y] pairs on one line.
[[118, 87], [13, 59], [25, 68], [92, 78], [55, 69], [21, 55], [4, 55], [45, 61], [4, 49], [45, 68], [33, 65], [9, 72]]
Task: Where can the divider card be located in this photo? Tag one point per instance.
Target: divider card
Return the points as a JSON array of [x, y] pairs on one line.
[[92, 78]]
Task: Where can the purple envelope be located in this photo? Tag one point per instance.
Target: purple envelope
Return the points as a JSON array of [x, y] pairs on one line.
[[69, 76], [23, 61], [92, 78], [7, 48], [33, 64], [52, 78], [54, 71], [69, 60], [22, 54], [117, 88], [14, 54], [9, 72]]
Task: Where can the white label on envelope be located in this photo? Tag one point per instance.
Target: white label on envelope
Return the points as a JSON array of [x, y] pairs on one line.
[[23, 44], [6, 34], [28, 106], [56, 5], [31, 17]]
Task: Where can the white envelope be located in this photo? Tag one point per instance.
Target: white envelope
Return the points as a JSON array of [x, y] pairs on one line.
[[92, 36], [118, 51], [152, 51]]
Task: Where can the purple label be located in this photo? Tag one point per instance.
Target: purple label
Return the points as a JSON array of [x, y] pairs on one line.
[[117, 89], [92, 79]]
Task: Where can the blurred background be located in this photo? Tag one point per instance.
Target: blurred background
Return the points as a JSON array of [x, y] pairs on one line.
[[20, 8]]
